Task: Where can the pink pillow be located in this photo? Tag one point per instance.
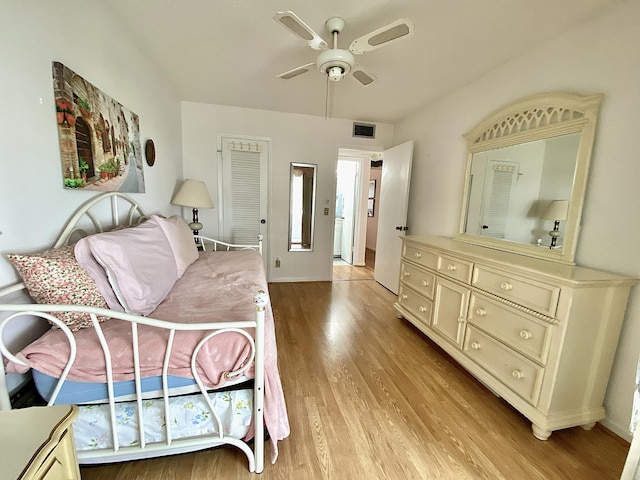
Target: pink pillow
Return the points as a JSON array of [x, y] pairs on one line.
[[55, 277], [87, 261], [180, 238], [139, 264]]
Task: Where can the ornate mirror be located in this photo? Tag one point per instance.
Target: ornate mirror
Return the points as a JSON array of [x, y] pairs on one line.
[[526, 175]]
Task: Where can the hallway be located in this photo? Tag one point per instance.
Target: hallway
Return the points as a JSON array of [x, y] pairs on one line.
[[344, 271]]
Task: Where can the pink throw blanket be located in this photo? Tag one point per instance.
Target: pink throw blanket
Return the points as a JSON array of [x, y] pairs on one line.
[[219, 286]]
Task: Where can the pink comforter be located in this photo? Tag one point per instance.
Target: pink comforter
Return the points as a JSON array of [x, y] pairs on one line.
[[219, 286]]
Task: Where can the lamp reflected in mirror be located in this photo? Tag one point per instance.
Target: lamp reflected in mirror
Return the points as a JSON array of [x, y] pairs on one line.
[[556, 211]]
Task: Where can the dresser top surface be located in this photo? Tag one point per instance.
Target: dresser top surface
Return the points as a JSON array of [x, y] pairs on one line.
[[570, 273]]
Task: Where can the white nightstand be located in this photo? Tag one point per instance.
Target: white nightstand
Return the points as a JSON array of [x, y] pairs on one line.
[[36, 443]]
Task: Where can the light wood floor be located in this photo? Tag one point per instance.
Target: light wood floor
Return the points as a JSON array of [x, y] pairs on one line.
[[349, 272], [369, 397]]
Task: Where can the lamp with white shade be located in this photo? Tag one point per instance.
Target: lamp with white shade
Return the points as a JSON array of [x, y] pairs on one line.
[[194, 194], [556, 211]]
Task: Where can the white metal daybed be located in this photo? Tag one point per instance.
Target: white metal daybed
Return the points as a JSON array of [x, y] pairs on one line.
[[156, 383]]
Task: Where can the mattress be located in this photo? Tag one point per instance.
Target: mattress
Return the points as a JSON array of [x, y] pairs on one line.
[[95, 392]]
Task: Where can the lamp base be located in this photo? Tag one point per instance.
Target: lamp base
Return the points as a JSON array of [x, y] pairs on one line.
[[195, 225], [554, 234]]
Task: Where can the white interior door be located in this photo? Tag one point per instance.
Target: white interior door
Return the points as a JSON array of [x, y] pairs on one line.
[[243, 187], [347, 173], [392, 220]]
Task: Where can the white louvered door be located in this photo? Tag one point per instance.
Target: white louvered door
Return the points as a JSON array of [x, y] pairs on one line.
[[501, 179], [244, 191]]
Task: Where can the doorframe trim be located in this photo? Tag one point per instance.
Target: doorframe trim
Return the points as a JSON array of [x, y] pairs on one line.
[[257, 138]]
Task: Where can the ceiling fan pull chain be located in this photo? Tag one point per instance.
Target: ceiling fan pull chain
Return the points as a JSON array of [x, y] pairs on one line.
[[328, 99]]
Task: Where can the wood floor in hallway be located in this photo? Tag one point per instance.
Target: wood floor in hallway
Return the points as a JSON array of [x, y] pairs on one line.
[[345, 271], [370, 397]]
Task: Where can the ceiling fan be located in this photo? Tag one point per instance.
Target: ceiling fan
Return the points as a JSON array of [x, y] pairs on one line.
[[334, 62]]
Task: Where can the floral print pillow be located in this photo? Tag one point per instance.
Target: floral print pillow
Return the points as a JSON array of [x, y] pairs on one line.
[[55, 277]]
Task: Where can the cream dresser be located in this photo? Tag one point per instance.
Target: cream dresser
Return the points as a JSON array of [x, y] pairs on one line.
[[540, 334], [37, 443]]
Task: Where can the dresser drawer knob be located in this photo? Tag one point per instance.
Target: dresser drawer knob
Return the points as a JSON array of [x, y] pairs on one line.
[[406, 274], [517, 374], [404, 296], [424, 283], [481, 312], [506, 286], [418, 255], [423, 309], [475, 345], [451, 267], [525, 334]]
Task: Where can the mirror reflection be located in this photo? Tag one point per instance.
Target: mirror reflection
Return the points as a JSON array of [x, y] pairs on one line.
[[302, 206], [521, 193]]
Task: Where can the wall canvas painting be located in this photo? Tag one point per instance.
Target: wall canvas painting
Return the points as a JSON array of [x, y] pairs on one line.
[[99, 138]]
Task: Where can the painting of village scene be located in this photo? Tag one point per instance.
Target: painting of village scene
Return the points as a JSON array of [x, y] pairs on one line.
[[99, 138]]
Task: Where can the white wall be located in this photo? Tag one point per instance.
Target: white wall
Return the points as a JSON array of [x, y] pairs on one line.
[[372, 222], [33, 34], [600, 56], [294, 138], [86, 38]]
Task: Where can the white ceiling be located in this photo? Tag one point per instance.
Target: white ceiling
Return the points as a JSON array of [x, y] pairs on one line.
[[229, 52]]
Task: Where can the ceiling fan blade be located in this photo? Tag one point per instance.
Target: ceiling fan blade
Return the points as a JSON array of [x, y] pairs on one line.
[[296, 71], [361, 75], [402, 28], [294, 24]]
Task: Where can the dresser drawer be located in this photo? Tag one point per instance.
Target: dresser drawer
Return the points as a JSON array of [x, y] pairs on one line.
[[417, 278], [525, 334], [420, 306], [529, 293], [516, 372], [455, 268], [423, 257]]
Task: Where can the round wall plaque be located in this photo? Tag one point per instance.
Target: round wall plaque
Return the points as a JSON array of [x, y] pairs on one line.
[[150, 152]]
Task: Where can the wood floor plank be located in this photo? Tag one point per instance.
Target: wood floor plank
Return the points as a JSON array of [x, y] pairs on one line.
[[370, 397]]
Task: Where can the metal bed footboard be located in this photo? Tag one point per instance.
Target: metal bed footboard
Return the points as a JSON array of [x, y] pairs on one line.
[[255, 456]]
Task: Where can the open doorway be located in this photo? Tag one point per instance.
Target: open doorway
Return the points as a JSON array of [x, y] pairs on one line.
[[357, 199]]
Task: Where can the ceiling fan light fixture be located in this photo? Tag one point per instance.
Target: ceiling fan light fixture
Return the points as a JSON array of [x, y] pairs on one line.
[[335, 73], [330, 60]]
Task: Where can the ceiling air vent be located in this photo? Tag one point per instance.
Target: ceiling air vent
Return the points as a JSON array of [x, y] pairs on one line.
[[365, 130]]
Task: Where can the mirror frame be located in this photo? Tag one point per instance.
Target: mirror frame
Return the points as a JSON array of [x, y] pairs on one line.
[[314, 167], [537, 117]]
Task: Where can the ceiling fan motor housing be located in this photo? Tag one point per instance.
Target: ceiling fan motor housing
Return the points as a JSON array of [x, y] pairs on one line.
[[329, 61]]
